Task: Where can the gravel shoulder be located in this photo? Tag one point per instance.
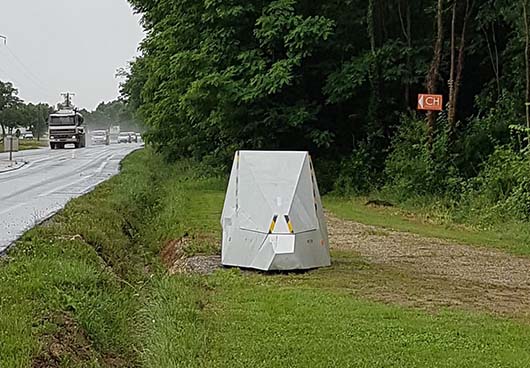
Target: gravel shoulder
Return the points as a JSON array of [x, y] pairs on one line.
[[411, 270]]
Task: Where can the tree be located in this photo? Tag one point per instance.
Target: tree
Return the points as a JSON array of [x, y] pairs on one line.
[[332, 77], [111, 113], [9, 102], [527, 62], [456, 81], [434, 71], [230, 73], [36, 119]]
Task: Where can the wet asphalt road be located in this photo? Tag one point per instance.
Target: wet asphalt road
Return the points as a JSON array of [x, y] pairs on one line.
[[50, 179]]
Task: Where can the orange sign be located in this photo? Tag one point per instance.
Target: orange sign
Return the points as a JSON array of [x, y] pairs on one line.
[[430, 102]]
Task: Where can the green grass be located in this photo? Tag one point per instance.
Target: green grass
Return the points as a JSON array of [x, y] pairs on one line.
[[24, 145], [512, 237], [235, 320], [97, 265], [85, 266], [32, 144], [260, 323]]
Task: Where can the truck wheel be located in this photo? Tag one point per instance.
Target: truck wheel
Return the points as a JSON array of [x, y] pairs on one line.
[[52, 146]]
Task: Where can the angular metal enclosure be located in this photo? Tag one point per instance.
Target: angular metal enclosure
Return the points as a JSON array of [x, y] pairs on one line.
[[272, 217]]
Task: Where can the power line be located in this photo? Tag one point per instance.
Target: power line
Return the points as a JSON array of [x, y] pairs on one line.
[[27, 76], [26, 69], [28, 73], [11, 79], [2, 70], [3, 38]]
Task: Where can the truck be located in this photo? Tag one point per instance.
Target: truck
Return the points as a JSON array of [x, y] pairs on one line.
[[114, 133], [65, 127]]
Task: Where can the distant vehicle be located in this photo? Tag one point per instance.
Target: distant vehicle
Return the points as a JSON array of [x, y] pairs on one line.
[[123, 138], [99, 137], [65, 127], [114, 133], [28, 135], [127, 137]]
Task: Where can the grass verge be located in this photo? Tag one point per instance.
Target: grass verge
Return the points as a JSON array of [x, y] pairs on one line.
[[69, 289], [24, 145], [88, 290], [512, 237]]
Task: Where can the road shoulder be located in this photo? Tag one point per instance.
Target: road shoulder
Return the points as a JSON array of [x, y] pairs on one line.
[[8, 166]]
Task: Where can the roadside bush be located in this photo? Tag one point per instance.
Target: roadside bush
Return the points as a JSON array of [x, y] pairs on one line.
[[412, 170], [482, 134], [326, 172], [502, 189], [355, 174]]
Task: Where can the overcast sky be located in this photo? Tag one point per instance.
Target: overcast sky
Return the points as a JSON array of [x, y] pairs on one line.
[[56, 46]]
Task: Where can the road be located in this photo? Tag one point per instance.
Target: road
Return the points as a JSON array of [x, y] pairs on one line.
[[35, 192]]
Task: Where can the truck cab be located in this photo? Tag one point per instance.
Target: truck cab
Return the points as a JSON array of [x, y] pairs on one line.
[[65, 127]]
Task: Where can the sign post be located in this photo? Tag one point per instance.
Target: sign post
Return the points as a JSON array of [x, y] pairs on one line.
[[428, 102], [10, 136], [10, 143]]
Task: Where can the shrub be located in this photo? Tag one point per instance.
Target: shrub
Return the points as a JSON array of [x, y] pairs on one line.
[[480, 136], [356, 174], [502, 189], [412, 169]]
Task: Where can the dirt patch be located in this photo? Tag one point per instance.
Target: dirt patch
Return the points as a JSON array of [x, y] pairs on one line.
[[175, 257], [68, 344], [174, 251], [378, 203], [431, 273]]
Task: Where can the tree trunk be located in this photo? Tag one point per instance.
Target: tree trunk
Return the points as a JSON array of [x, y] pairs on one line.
[[375, 75], [451, 82], [406, 27], [497, 64], [432, 78], [457, 82], [527, 64], [461, 61], [410, 68], [527, 48], [493, 52]]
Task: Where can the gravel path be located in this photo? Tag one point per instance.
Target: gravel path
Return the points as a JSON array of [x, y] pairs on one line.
[[432, 273]]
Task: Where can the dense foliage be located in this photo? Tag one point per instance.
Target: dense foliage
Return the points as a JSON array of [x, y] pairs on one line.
[[340, 79], [109, 114]]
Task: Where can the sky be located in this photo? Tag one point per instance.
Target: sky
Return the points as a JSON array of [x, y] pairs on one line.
[[56, 46]]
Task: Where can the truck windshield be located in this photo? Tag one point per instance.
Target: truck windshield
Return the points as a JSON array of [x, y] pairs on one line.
[[62, 120]]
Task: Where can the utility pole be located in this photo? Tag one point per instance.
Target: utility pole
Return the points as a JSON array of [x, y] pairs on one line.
[[68, 98], [10, 136]]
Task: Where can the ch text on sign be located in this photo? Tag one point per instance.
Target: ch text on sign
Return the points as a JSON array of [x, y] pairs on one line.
[[430, 102]]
